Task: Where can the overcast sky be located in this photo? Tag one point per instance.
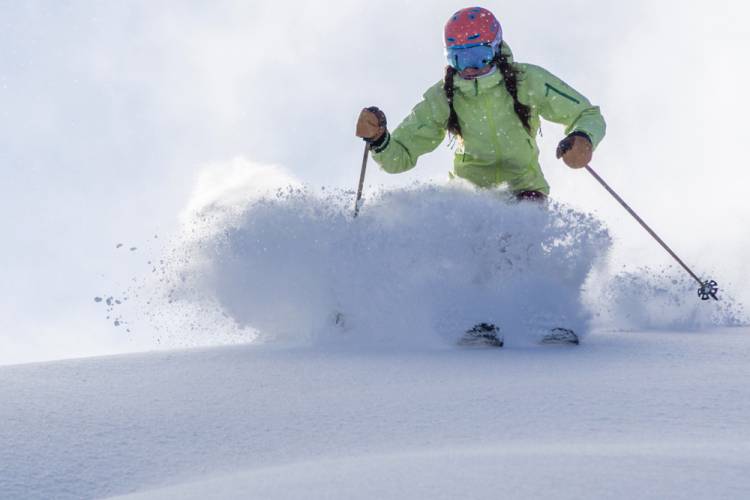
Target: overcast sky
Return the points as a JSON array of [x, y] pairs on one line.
[[109, 111]]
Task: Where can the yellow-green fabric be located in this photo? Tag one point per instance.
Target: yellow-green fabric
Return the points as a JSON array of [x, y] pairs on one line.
[[495, 147]]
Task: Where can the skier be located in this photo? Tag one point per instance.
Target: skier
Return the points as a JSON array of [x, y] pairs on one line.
[[491, 106]]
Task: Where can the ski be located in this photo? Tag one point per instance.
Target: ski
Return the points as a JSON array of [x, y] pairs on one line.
[[482, 335], [561, 336]]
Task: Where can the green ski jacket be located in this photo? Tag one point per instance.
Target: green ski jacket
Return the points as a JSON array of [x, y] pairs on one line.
[[495, 147]]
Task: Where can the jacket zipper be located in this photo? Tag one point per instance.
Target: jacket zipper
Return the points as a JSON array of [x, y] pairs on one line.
[[493, 131]]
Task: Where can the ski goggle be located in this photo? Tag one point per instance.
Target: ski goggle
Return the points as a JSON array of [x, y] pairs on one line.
[[477, 56]]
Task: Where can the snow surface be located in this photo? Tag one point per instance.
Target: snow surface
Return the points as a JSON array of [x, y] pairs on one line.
[[625, 415], [383, 404]]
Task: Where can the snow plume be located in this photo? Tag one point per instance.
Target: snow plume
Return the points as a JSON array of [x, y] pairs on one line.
[[225, 188], [666, 299], [263, 258], [168, 302], [419, 265]]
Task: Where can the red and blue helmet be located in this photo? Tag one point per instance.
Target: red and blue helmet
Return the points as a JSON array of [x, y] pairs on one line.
[[472, 37]]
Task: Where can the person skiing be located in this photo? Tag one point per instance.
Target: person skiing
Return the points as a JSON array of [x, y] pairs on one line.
[[491, 106]]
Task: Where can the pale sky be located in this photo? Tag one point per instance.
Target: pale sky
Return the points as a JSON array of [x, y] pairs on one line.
[[109, 111]]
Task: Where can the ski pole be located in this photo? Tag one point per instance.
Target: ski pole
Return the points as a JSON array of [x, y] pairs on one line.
[[708, 289], [361, 179]]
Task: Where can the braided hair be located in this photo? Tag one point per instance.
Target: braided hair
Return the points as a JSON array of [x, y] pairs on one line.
[[510, 77]]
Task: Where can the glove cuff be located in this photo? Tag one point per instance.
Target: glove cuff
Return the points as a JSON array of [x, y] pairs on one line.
[[381, 143], [580, 133]]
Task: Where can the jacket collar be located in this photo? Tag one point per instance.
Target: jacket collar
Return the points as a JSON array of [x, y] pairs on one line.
[[478, 85]]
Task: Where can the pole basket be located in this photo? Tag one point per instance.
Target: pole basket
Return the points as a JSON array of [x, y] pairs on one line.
[[708, 290]]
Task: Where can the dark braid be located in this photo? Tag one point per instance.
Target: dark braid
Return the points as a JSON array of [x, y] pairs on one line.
[[454, 128], [510, 76]]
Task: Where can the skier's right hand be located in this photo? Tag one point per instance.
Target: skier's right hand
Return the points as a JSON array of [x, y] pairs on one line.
[[371, 125]]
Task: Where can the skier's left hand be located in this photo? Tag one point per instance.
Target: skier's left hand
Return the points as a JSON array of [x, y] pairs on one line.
[[576, 150]]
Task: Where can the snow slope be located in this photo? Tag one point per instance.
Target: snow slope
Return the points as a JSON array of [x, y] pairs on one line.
[[626, 415], [384, 404]]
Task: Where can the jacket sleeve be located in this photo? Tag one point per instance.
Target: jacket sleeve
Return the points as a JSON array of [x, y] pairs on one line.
[[420, 132], [558, 102]]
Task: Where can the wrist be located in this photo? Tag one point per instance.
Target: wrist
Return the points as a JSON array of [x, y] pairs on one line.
[[381, 143]]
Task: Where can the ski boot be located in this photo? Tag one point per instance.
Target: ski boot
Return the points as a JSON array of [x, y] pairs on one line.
[[482, 335], [560, 336], [535, 196]]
